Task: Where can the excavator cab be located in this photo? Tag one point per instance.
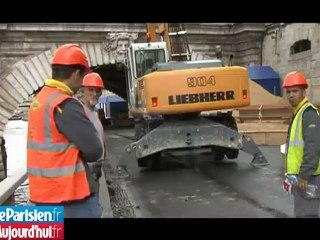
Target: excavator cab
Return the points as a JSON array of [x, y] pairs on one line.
[[141, 59], [147, 65]]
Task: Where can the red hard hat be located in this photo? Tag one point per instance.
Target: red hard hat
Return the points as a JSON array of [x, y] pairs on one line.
[[71, 54], [294, 79], [92, 80]]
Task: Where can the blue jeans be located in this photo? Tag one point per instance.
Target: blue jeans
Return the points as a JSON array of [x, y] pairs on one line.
[[88, 208]]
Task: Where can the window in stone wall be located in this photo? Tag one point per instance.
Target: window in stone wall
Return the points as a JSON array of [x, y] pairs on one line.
[[300, 46]]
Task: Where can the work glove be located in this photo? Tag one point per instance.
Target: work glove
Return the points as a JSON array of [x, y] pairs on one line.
[[97, 170], [287, 186]]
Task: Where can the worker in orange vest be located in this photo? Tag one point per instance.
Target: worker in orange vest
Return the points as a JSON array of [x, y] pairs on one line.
[[61, 140], [88, 95]]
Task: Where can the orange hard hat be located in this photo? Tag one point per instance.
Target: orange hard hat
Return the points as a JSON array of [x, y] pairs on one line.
[[294, 79], [92, 80], [71, 54]]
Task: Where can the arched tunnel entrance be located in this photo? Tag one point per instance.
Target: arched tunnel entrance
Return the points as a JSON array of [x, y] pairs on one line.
[[114, 78], [28, 75]]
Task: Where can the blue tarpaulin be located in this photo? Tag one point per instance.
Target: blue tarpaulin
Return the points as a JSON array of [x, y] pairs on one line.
[[266, 77], [111, 98], [113, 106]]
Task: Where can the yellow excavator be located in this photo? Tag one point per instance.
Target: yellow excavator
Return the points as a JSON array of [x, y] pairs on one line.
[[167, 92]]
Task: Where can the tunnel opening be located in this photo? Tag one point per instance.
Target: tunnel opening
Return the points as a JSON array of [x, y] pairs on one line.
[[27, 77], [113, 76]]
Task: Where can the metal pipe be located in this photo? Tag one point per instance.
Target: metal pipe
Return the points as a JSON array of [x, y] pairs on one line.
[[11, 183]]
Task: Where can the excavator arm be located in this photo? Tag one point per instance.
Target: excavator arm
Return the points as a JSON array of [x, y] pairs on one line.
[[174, 34]]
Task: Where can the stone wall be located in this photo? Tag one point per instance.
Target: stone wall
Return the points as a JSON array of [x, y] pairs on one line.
[[248, 43], [242, 41], [18, 41], [276, 53], [26, 50]]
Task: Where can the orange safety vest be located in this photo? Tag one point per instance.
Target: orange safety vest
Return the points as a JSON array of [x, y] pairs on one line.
[[56, 172]]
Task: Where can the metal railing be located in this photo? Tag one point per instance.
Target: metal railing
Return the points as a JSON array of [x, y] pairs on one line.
[[11, 183]]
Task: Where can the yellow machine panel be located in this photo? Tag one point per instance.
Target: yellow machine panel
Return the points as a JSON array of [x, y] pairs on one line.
[[192, 90]]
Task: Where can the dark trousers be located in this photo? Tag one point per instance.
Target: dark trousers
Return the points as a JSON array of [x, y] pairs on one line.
[[306, 208]]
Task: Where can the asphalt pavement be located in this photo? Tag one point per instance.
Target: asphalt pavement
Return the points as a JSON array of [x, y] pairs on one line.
[[193, 185]]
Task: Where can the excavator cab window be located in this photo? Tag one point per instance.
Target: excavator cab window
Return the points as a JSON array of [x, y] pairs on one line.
[[145, 59], [148, 64]]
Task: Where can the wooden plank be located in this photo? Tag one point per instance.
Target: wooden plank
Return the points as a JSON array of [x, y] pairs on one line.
[[272, 138], [267, 106], [265, 112]]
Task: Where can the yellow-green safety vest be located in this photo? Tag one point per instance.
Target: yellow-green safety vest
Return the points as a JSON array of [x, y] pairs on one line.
[[295, 144]]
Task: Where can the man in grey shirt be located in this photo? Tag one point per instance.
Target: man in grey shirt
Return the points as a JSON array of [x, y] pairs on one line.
[[55, 118], [88, 96]]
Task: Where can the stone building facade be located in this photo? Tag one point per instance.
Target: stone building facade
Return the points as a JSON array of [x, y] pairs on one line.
[[26, 50], [294, 47]]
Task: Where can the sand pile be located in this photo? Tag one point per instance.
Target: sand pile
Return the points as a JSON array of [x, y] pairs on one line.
[[258, 96]]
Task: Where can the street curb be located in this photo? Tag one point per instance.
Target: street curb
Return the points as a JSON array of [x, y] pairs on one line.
[[104, 198]]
